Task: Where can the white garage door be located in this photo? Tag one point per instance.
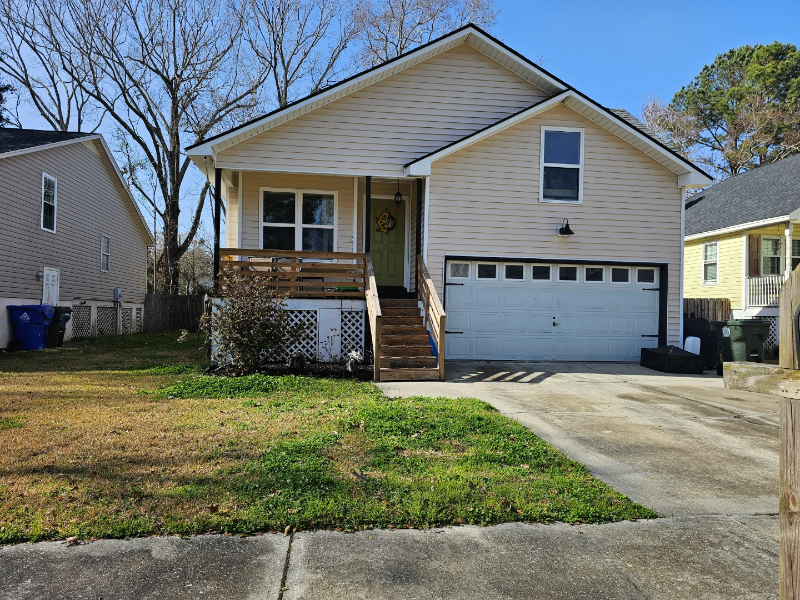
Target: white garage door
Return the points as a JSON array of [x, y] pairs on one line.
[[524, 311]]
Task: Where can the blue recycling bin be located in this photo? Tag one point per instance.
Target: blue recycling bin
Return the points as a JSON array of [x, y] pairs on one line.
[[31, 322]]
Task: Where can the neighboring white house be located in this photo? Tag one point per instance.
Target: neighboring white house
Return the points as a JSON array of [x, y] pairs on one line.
[[466, 158], [72, 233]]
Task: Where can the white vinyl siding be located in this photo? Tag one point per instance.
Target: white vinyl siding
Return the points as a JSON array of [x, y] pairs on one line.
[[105, 254], [711, 263], [49, 202], [483, 201], [378, 129]]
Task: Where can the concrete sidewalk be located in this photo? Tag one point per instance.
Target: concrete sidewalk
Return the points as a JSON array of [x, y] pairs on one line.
[[689, 557]]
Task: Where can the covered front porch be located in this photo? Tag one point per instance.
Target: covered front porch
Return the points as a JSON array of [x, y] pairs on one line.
[[345, 252], [773, 252]]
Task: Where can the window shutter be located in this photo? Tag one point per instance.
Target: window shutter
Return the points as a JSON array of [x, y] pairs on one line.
[[754, 255]]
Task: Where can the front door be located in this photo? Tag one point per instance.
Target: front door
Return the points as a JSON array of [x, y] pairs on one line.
[[387, 242]]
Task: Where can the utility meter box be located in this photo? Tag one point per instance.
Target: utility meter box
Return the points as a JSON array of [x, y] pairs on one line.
[[117, 295]]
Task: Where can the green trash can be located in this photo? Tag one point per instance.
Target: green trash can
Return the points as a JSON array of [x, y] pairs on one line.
[[55, 334], [742, 339]]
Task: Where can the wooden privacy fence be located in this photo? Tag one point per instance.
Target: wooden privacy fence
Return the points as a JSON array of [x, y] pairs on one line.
[[712, 309], [163, 312]]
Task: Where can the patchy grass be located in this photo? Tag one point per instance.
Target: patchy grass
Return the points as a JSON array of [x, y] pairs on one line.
[[122, 437]]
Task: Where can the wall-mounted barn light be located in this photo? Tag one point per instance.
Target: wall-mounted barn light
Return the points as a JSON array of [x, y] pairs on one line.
[[565, 230]]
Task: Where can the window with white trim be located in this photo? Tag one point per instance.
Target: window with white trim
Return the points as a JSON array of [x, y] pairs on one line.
[[771, 256], [620, 275], [49, 200], [795, 254], [459, 270], [105, 254], [487, 271], [515, 272], [561, 165], [711, 262], [298, 220], [594, 274]]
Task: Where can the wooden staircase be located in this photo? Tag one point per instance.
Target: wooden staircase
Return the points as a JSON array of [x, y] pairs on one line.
[[406, 353]]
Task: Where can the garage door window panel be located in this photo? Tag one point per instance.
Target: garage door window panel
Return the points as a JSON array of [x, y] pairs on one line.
[[645, 275], [561, 165], [594, 274], [620, 275], [514, 272], [487, 271], [459, 270], [540, 273], [568, 274]]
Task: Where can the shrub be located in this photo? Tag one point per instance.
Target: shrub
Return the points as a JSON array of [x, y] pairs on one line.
[[251, 324]]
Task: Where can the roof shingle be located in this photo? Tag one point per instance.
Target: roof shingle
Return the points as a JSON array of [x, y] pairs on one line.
[[763, 193], [12, 139]]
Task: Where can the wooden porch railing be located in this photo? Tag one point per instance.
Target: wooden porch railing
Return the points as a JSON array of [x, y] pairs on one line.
[[433, 312], [374, 315], [301, 274], [764, 290]]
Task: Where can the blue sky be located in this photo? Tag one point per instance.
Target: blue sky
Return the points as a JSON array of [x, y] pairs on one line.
[[619, 52]]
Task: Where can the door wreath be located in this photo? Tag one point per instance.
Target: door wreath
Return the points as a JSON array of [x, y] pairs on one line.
[[386, 222]]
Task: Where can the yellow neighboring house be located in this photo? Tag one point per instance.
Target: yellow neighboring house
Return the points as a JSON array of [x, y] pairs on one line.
[[742, 240]]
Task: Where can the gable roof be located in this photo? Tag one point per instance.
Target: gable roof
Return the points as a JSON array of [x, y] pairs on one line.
[[623, 127], [14, 142], [469, 34], [13, 139], [767, 194], [618, 122]]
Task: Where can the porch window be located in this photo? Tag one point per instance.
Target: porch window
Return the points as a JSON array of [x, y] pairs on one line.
[[795, 254], [561, 165], [710, 262], [298, 220], [771, 256]]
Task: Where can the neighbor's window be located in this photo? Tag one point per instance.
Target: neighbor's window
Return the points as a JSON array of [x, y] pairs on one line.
[[562, 162], [710, 262], [771, 256], [105, 254], [795, 254], [298, 220], [49, 192]]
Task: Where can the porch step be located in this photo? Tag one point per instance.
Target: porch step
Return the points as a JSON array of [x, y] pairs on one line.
[[398, 303], [402, 320], [390, 374], [400, 338], [400, 311], [408, 362], [406, 350]]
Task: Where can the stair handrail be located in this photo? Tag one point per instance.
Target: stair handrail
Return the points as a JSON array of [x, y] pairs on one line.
[[433, 311], [374, 313]]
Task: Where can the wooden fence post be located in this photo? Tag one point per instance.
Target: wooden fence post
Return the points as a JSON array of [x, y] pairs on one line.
[[789, 500], [789, 301]]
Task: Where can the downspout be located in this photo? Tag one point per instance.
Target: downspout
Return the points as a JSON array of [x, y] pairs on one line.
[[681, 273]]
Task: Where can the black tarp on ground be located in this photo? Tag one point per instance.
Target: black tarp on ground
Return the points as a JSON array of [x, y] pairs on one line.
[[709, 342], [671, 359]]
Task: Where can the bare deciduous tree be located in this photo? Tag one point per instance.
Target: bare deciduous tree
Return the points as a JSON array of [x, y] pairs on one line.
[[167, 73], [393, 27], [31, 62], [303, 42]]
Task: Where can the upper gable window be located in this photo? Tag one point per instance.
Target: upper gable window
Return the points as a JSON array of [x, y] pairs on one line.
[[49, 192], [561, 165]]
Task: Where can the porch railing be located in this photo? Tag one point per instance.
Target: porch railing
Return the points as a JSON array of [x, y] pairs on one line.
[[764, 290], [301, 274], [433, 312], [374, 315]]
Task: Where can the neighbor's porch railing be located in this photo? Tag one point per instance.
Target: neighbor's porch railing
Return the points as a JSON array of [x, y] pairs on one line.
[[764, 290], [433, 312], [301, 274]]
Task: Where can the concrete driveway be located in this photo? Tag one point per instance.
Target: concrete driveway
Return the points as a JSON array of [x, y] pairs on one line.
[[682, 445]]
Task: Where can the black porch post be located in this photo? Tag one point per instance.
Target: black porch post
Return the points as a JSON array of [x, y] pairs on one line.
[[368, 215], [217, 211]]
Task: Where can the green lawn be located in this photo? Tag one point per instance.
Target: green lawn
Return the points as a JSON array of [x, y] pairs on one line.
[[121, 437]]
